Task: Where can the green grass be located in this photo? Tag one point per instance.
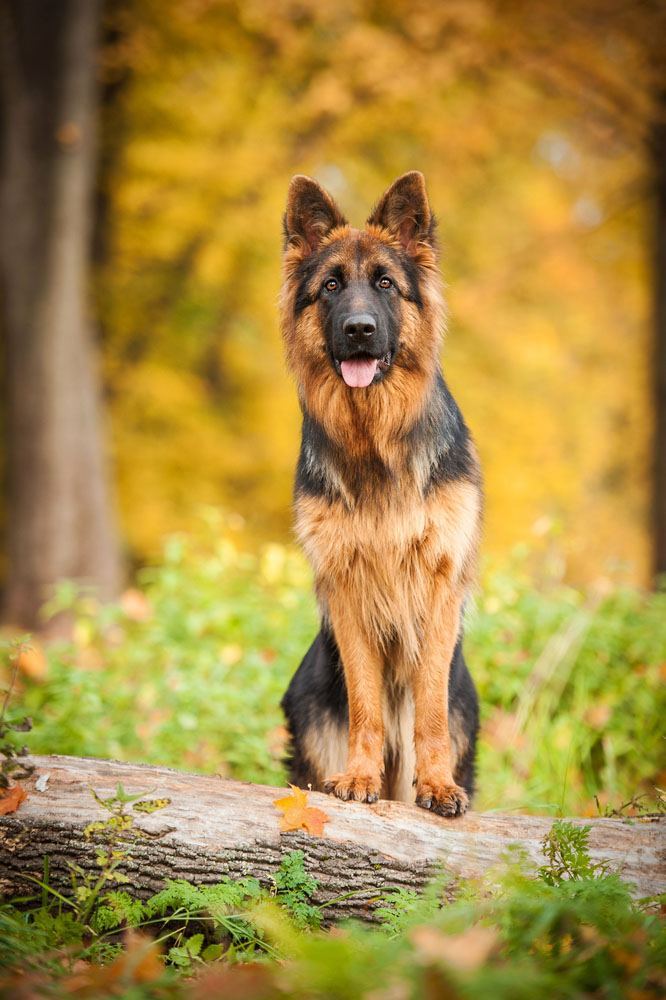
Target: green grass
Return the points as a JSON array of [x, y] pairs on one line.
[[188, 672]]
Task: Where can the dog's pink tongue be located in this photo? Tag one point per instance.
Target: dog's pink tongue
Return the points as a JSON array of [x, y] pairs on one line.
[[358, 372]]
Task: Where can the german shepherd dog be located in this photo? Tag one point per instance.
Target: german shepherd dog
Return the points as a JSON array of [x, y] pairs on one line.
[[387, 506]]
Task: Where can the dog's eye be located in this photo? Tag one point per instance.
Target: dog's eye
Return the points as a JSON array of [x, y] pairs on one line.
[[331, 284], [384, 282]]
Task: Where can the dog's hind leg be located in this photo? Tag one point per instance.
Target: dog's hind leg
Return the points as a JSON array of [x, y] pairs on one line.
[[463, 721], [315, 706]]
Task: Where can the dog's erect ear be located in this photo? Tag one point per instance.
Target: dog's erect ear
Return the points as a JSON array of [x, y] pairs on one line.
[[405, 211], [311, 213]]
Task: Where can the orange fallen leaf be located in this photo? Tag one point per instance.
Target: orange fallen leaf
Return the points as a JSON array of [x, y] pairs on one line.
[[32, 662], [12, 799], [139, 963], [136, 605], [250, 981], [298, 815], [466, 951], [597, 716]]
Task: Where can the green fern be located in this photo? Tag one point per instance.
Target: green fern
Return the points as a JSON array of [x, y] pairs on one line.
[[400, 908], [118, 909], [216, 900], [294, 888], [566, 848]]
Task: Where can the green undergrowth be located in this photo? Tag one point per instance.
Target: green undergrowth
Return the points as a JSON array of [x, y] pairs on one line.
[[188, 669], [568, 929]]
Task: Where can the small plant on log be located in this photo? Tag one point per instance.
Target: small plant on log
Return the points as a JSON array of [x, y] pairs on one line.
[[567, 853], [113, 847]]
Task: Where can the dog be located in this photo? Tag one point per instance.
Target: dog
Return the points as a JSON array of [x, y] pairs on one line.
[[388, 506]]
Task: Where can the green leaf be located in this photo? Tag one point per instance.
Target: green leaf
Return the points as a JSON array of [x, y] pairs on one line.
[[194, 943], [212, 953]]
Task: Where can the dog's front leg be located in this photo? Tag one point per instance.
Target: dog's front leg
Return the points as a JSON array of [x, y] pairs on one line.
[[435, 786], [363, 678]]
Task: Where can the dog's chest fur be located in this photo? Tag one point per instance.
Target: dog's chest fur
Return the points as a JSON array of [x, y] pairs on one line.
[[388, 557]]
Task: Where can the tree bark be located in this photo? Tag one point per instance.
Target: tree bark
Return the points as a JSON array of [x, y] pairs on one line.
[[213, 828], [59, 518]]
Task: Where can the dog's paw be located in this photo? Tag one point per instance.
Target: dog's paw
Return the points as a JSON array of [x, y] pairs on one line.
[[445, 800], [359, 787]]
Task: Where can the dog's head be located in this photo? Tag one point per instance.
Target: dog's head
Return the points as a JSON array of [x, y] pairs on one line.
[[361, 306]]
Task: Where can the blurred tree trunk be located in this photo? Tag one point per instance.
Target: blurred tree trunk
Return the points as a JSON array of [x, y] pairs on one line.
[[658, 146], [59, 517]]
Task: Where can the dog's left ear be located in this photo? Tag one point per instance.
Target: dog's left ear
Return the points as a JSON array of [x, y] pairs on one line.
[[405, 211]]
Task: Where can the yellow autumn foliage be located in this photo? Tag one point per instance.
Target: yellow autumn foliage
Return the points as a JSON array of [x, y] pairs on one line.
[[543, 238]]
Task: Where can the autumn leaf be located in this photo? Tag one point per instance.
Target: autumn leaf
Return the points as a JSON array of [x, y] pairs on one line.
[[12, 799], [298, 815], [136, 605], [151, 805], [251, 981], [139, 963], [32, 662], [466, 951]]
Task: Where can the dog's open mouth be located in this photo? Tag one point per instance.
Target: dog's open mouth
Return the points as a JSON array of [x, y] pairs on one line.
[[361, 370]]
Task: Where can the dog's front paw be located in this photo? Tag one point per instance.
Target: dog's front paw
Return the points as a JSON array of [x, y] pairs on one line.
[[359, 787], [445, 800]]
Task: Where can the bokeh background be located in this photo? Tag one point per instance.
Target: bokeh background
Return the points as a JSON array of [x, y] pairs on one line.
[[147, 149], [527, 120]]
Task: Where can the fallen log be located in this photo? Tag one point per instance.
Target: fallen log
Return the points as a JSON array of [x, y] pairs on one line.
[[213, 828]]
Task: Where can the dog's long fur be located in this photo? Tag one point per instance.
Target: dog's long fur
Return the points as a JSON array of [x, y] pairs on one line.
[[388, 507]]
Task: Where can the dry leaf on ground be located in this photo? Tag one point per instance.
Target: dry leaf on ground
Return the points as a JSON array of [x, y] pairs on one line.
[[139, 963], [251, 981], [32, 662], [298, 815], [12, 799], [466, 951], [136, 605]]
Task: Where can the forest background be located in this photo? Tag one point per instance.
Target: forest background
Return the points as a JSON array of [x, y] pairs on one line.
[[539, 128], [544, 220]]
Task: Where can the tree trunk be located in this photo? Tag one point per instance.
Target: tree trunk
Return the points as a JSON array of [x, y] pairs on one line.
[[658, 150], [213, 828], [59, 518]]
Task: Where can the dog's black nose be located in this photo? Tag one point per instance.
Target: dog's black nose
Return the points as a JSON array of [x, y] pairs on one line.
[[358, 326]]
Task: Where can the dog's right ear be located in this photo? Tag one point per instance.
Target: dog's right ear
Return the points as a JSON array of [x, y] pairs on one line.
[[311, 214]]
